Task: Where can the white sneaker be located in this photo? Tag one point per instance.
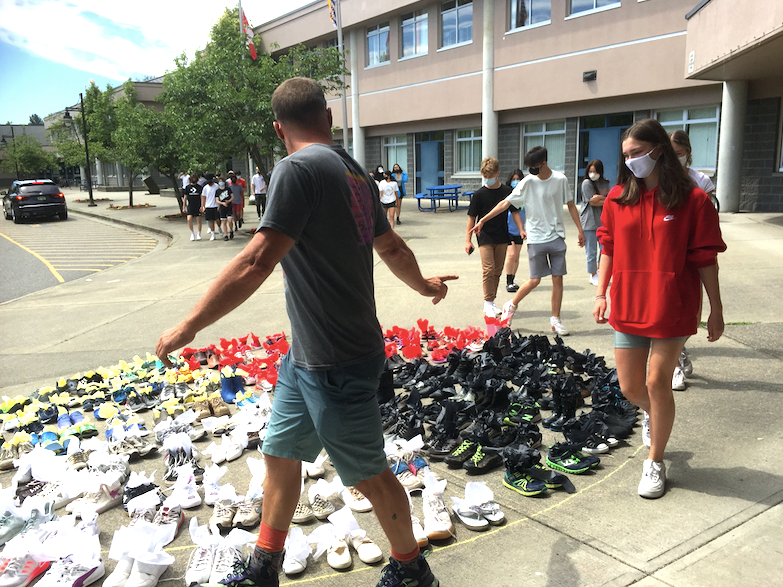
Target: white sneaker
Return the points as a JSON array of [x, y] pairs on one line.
[[557, 326], [121, 572], [437, 521], [491, 310], [678, 379], [22, 570], [508, 310], [200, 565], [418, 532], [297, 550], [594, 279], [192, 236], [646, 430], [66, 573], [145, 574], [226, 556], [198, 236], [685, 363], [354, 499], [653, 482]]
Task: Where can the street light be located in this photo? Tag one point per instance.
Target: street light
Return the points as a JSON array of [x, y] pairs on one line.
[[5, 144], [67, 116]]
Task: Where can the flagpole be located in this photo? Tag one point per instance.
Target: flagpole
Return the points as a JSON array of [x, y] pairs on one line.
[[241, 24], [343, 99]]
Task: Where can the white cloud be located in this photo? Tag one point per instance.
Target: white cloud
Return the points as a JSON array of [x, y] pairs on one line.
[[121, 39]]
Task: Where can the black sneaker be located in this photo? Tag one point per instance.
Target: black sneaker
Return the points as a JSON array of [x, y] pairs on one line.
[[251, 572], [397, 574], [512, 288], [461, 454]]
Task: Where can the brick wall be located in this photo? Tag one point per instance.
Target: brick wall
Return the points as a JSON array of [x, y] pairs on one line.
[[508, 149], [762, 184], [372, 152], [572, 126]]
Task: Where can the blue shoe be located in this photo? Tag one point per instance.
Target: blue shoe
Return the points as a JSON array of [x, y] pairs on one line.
[[414, 574]]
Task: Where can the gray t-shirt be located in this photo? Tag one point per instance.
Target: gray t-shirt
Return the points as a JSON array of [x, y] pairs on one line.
[[326, 202], [590, 216]]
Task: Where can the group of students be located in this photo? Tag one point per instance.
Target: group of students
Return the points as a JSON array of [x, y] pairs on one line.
[[222, 203], [657, 236], [391, 190]]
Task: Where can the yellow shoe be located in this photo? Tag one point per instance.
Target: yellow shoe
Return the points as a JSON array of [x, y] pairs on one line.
[[107, 410]]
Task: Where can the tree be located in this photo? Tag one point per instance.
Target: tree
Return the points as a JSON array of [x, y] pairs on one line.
[[26, 155], [130, 135], [65, 137], [101, 122], [220, 102], [36, 120]]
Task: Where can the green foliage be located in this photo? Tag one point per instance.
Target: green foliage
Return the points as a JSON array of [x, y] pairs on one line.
[[99, 109], [66, 139], [25, 154], [220, 102], [36, 120]]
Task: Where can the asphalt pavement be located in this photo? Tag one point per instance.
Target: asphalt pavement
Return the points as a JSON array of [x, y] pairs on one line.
[[720, 522]]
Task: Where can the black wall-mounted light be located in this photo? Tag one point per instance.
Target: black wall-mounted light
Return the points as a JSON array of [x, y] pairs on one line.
[[589, 76]]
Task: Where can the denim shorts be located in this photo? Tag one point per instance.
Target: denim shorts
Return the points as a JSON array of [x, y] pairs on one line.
[[633, 341], [336, 410]]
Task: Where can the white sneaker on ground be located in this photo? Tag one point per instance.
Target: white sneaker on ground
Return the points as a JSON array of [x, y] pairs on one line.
[[198, 236], [145, 574], [557, 326], [685, 363], [192, 236], [212, 236], [646, 430], [66, 573], [437, 521], [121, 572], [653, 483], [490, 309], [508, 310], [678, 379], [200, 565], [594, 279], [226, 556]]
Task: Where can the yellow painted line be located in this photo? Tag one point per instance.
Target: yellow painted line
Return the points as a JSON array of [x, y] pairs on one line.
[[80, 269], [57, 276], [93, 264]]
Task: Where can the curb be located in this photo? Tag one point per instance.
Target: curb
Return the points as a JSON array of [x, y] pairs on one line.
[[157, 231]]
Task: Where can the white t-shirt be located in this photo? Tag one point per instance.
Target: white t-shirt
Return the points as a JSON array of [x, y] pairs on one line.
[[259, 183], [185, 180], [209, 192], [543, 201], [388, 191], [702, 181]]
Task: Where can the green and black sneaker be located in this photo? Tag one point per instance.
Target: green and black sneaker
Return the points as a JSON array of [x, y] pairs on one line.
[[568, 459], [521, 482]]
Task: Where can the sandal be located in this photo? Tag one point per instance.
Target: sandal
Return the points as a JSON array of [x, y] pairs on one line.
[[471, 517]]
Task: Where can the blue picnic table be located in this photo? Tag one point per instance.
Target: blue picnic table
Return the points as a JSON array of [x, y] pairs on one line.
[[437, 194]]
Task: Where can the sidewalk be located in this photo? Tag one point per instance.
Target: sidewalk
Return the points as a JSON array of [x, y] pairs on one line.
[[720, 523]]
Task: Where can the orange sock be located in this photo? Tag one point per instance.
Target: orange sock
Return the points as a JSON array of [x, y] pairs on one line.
[[271, 540], [406, 558]]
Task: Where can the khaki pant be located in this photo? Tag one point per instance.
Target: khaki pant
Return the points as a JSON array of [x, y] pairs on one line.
[[492, 259]]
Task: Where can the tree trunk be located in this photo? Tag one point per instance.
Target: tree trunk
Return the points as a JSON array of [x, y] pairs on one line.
[[177, 192], [131, 176], [258, 160]]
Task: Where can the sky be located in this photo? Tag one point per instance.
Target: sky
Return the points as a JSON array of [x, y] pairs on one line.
[[51, 49]]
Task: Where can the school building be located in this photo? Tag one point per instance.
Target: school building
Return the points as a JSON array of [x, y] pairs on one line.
[[435, 86]]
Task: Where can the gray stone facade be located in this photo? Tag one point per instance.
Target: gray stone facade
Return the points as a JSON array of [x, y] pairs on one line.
[[762, 183]]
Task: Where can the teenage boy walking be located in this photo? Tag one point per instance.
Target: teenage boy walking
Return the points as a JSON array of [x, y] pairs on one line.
[[322, 223], [542, 194]]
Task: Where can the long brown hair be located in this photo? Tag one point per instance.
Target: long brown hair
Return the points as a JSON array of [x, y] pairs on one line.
[[674, 184]]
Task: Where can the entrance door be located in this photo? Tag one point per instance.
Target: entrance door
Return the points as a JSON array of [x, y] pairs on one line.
[[600, 139], [429, 160]]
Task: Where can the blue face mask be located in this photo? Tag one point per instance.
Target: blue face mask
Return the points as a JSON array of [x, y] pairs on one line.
[[514, 183], [489, 181], [222, 184]]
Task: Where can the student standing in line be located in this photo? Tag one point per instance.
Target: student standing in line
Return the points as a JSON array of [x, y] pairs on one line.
[[209, 204], [516, 237], [259, 191], [388, 190], [543, 194], [237, 201], [192, 205], [224, 197], [400, 177], [661, 239], [594, 189]]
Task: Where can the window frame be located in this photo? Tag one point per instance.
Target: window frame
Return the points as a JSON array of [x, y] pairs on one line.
[[418, 17], [686, 122], [476, 136], [524, 27], [392, 142], [543, 134], [458, 4], [780, 140], [377, 30], [594, 10]]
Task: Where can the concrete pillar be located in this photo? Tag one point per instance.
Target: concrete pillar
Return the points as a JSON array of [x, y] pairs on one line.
[[732, 138], [99, 172], [358, 131], [489, 118], [83, 175]]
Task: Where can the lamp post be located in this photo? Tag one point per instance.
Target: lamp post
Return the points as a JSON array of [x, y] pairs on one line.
[[67, 116], [13, 140]]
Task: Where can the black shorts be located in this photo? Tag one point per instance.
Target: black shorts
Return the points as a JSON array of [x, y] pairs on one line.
[[225, 211], [211, 214], [387, 206], [515, 239], [194, 205]]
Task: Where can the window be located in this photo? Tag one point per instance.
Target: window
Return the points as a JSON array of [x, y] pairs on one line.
[[378, 44], [523, 13], [395, 150], [701, 124], [456, 20], [414, 33], [585, 5], [469, 150], [550, 135]]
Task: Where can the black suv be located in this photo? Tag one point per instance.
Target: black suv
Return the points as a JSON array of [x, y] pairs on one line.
[[29, 198]]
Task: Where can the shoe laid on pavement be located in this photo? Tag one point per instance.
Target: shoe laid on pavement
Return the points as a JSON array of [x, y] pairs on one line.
[[200, 565], [303, 513], [414, 574], [226, 559], [521, 482], [355, 500], [678, 379], [557, 326], [322, 507], [508, 310], [21, 571], [10, 526], [145, 574], [646, 440], [105, 498], [653, 483], [404, 475], [170, 516], [437, 521], [66, 573], [470, 516], [297, 550], [248, 514], [369, 552], [223, 516], [119, 576]]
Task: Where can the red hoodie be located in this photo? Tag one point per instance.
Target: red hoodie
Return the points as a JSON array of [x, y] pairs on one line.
[[657, 253]]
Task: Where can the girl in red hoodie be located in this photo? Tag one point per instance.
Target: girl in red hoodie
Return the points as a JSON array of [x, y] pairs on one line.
[[660, 238]]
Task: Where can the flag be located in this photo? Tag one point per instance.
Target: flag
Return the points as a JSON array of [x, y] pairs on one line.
[[250, 34], [333, 11]]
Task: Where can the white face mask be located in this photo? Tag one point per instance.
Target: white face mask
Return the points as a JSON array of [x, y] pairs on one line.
[[594, 177], [642, 166], [683, 160]]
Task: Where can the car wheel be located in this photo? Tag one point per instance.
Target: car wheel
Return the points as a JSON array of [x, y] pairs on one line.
[[6, 214], [63, 215], [14, 217]]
